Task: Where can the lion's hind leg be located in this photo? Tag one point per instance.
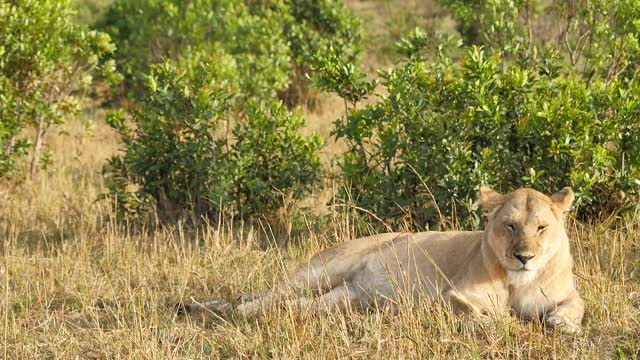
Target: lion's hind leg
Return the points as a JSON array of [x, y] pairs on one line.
[[218, 305], [342, 298], [338, 298], [215, 305]]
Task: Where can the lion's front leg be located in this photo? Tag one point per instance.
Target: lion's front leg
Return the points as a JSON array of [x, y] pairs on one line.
[[461, 305], [567, 316]]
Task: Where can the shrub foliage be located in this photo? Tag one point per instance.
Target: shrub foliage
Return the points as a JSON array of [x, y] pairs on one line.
[[46, 59], [484, 121], [598, 38], [271, 41], [180, 160], [511, 113]]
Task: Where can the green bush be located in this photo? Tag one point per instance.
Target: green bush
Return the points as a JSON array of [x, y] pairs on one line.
[[498, 24], [445, 128], [149, 31], [89, 11], [179, 159], [45, 61], [270, 159], [336, 74], [316, 28], [600, 38], [214, 137], [271, 41]]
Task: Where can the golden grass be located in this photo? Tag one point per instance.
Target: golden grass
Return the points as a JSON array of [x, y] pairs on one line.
[[75, 285]]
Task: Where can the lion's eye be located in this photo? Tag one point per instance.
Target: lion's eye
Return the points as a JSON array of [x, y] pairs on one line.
[[511, 227], [542, 228]]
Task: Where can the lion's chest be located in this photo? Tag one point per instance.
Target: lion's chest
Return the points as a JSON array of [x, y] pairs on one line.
[[530, 302]]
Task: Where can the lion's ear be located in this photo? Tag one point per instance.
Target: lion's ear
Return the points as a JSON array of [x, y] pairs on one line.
[[489, 199], [563, 199]]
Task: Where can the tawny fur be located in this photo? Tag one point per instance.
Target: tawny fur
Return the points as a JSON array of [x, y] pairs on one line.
[[476, 272]]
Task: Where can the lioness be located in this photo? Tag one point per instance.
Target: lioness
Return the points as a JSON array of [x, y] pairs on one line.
[[520, 261]]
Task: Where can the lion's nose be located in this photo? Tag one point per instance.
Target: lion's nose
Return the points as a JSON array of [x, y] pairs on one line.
[[523, 257]]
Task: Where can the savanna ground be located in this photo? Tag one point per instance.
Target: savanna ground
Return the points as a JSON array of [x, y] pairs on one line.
[[75, 284]]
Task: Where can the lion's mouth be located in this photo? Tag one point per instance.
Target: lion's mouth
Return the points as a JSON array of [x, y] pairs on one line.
[[523, 268]]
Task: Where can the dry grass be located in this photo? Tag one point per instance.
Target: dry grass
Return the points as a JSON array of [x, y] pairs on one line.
[[77, 286]]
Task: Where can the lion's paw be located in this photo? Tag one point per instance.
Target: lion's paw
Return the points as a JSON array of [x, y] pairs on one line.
[[563, 324]]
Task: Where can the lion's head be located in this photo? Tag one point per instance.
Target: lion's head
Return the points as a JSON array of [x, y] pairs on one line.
[[525, 229]]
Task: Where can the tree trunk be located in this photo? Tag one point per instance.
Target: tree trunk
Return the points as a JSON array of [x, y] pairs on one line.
[[11, 145], [37, 150]]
